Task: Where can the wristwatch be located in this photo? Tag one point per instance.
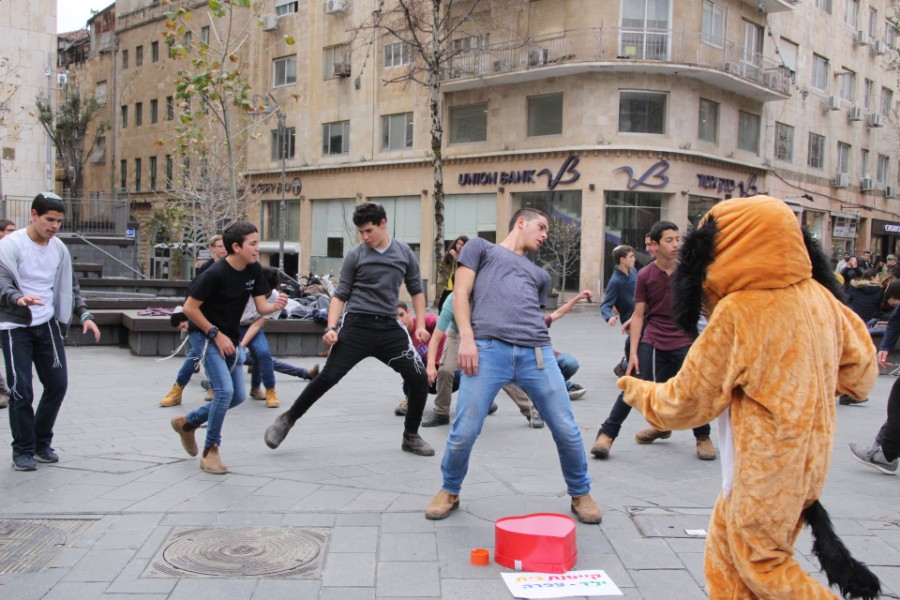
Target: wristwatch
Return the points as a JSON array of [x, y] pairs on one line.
[[329, 328], [212, 333]]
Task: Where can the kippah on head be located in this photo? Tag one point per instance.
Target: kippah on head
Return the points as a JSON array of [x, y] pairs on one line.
[[47, 196]]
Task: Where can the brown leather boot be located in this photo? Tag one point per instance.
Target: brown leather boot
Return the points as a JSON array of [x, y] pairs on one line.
[[211, 462], [413, 442], [602, 446], [186, 431], [257, 394], [441, 506], [651, 434], [586, 510], [271, 398], [311, 373], [705, 448]]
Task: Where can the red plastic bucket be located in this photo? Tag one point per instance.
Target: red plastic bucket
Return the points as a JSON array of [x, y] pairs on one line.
[[541, 543]]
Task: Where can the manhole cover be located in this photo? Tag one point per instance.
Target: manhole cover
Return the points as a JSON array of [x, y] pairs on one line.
[[241, 552], [670, 522], [30, 545]]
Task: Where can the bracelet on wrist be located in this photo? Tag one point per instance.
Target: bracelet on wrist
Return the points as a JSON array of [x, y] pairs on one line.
[[86, 317], [330, 328]]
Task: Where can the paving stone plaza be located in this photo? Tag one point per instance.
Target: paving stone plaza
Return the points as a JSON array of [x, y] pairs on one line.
[[337, 512]]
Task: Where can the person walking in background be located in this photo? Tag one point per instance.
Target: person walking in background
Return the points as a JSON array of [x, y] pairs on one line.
[[619, 295], [38, 295], [369, 289], [450, 258], [6, 227], [864, 295], [217, 252]]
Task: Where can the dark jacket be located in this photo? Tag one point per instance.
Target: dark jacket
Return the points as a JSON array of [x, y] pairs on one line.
[[619, 294], [864, 297]]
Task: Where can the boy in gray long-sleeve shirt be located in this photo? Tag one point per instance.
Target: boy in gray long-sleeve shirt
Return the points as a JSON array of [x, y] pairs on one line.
[[369, 290]]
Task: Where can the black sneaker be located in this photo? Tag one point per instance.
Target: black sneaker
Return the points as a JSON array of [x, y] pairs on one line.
[[493, 408], [576, 392], [24, 462], [46, 456], [846, 400]]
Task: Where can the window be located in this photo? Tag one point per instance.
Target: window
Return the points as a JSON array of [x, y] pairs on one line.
[[335, 247], [819, 75], [848, 85], [138, 114], [397, 54], [170, 108], [890, 34], [851, 12], [863, 163], [124, 111], [868, 90], [137, 174], [139, 56], [784, 142], [748, 132], [713, 24], [100, 93], [284, 71], [289, 142], [204, 35], [815, 152], [154, 111], [545, 115], [336, 138], [336, 61], [789, 51], [645, 25], [824, 5], [708, 121], [154, 51], [471, 43], [642, 112], [170, 167], [887, 99], [843, 158], [99, 152], [123, 174], [468, 123], [873, 22], [884, 166], [124, 59], [187, 40], [285, 7], [152, 172], [270, 223], [397, 131]]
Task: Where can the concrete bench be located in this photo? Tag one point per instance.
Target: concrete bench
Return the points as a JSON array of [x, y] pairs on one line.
[[88, 270]]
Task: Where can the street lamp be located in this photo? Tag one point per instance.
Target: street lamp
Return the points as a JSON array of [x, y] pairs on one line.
[[269, 106]]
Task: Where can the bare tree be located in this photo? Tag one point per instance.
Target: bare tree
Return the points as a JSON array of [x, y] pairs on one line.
[[561, 253], [10, 81]]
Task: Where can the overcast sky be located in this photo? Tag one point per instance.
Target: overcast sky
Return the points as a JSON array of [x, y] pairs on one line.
[[73, 14]]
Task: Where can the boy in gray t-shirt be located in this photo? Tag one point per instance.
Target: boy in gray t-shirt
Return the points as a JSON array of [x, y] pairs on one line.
[[503, 338], [369, 288]]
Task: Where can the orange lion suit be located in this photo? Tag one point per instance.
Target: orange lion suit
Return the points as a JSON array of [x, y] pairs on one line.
[[778, 348]]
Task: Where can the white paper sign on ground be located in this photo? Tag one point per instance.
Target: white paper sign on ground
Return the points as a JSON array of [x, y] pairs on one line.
[[565, 585]]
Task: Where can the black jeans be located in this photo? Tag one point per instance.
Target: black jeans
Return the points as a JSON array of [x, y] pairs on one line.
[[889, 435], [656, 365], [362, 336], [41, 346]]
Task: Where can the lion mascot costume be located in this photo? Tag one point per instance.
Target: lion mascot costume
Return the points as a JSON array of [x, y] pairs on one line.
[[778, 347]]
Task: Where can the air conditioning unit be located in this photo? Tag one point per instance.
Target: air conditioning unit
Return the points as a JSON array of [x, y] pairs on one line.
[[881, 47], [842, 180], [731, 67], [866, 184], [538, 56], [861, 38], [342, 69], [502, 65], [875, 120], [833, 103], [855, 114], [890, 191], [333, 7], [269, 22]]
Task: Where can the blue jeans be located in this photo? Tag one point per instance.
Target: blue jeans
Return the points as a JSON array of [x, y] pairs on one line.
[[40, 346], [263, 368], [568, 365], [227, 379], [500, 363], [187, 367]]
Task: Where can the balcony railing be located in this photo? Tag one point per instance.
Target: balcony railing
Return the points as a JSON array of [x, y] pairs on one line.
[[634, 48], [97, 214]]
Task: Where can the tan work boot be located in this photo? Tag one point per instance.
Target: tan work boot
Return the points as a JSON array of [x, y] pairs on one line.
[[705, 448], [257, 394], [441, 506], [173, 398], [586, 510], [271, 398], [210, 394], [602, 446], [651, 434], [186, 431], [211, 462], [401, 408]]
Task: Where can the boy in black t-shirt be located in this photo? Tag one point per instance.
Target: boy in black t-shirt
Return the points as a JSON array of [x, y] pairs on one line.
[[215, 303]]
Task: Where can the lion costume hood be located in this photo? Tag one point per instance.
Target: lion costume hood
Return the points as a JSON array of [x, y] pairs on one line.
[[778, 347]]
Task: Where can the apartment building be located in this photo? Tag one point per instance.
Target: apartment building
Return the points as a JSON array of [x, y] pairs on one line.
[[608, 115]]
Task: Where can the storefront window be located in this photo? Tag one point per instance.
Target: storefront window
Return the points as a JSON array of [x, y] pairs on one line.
[[270, 225], [629, 216], [561, 253], [332, 232], [472, 215], [814, 222], [404, 219], [698, 206]]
